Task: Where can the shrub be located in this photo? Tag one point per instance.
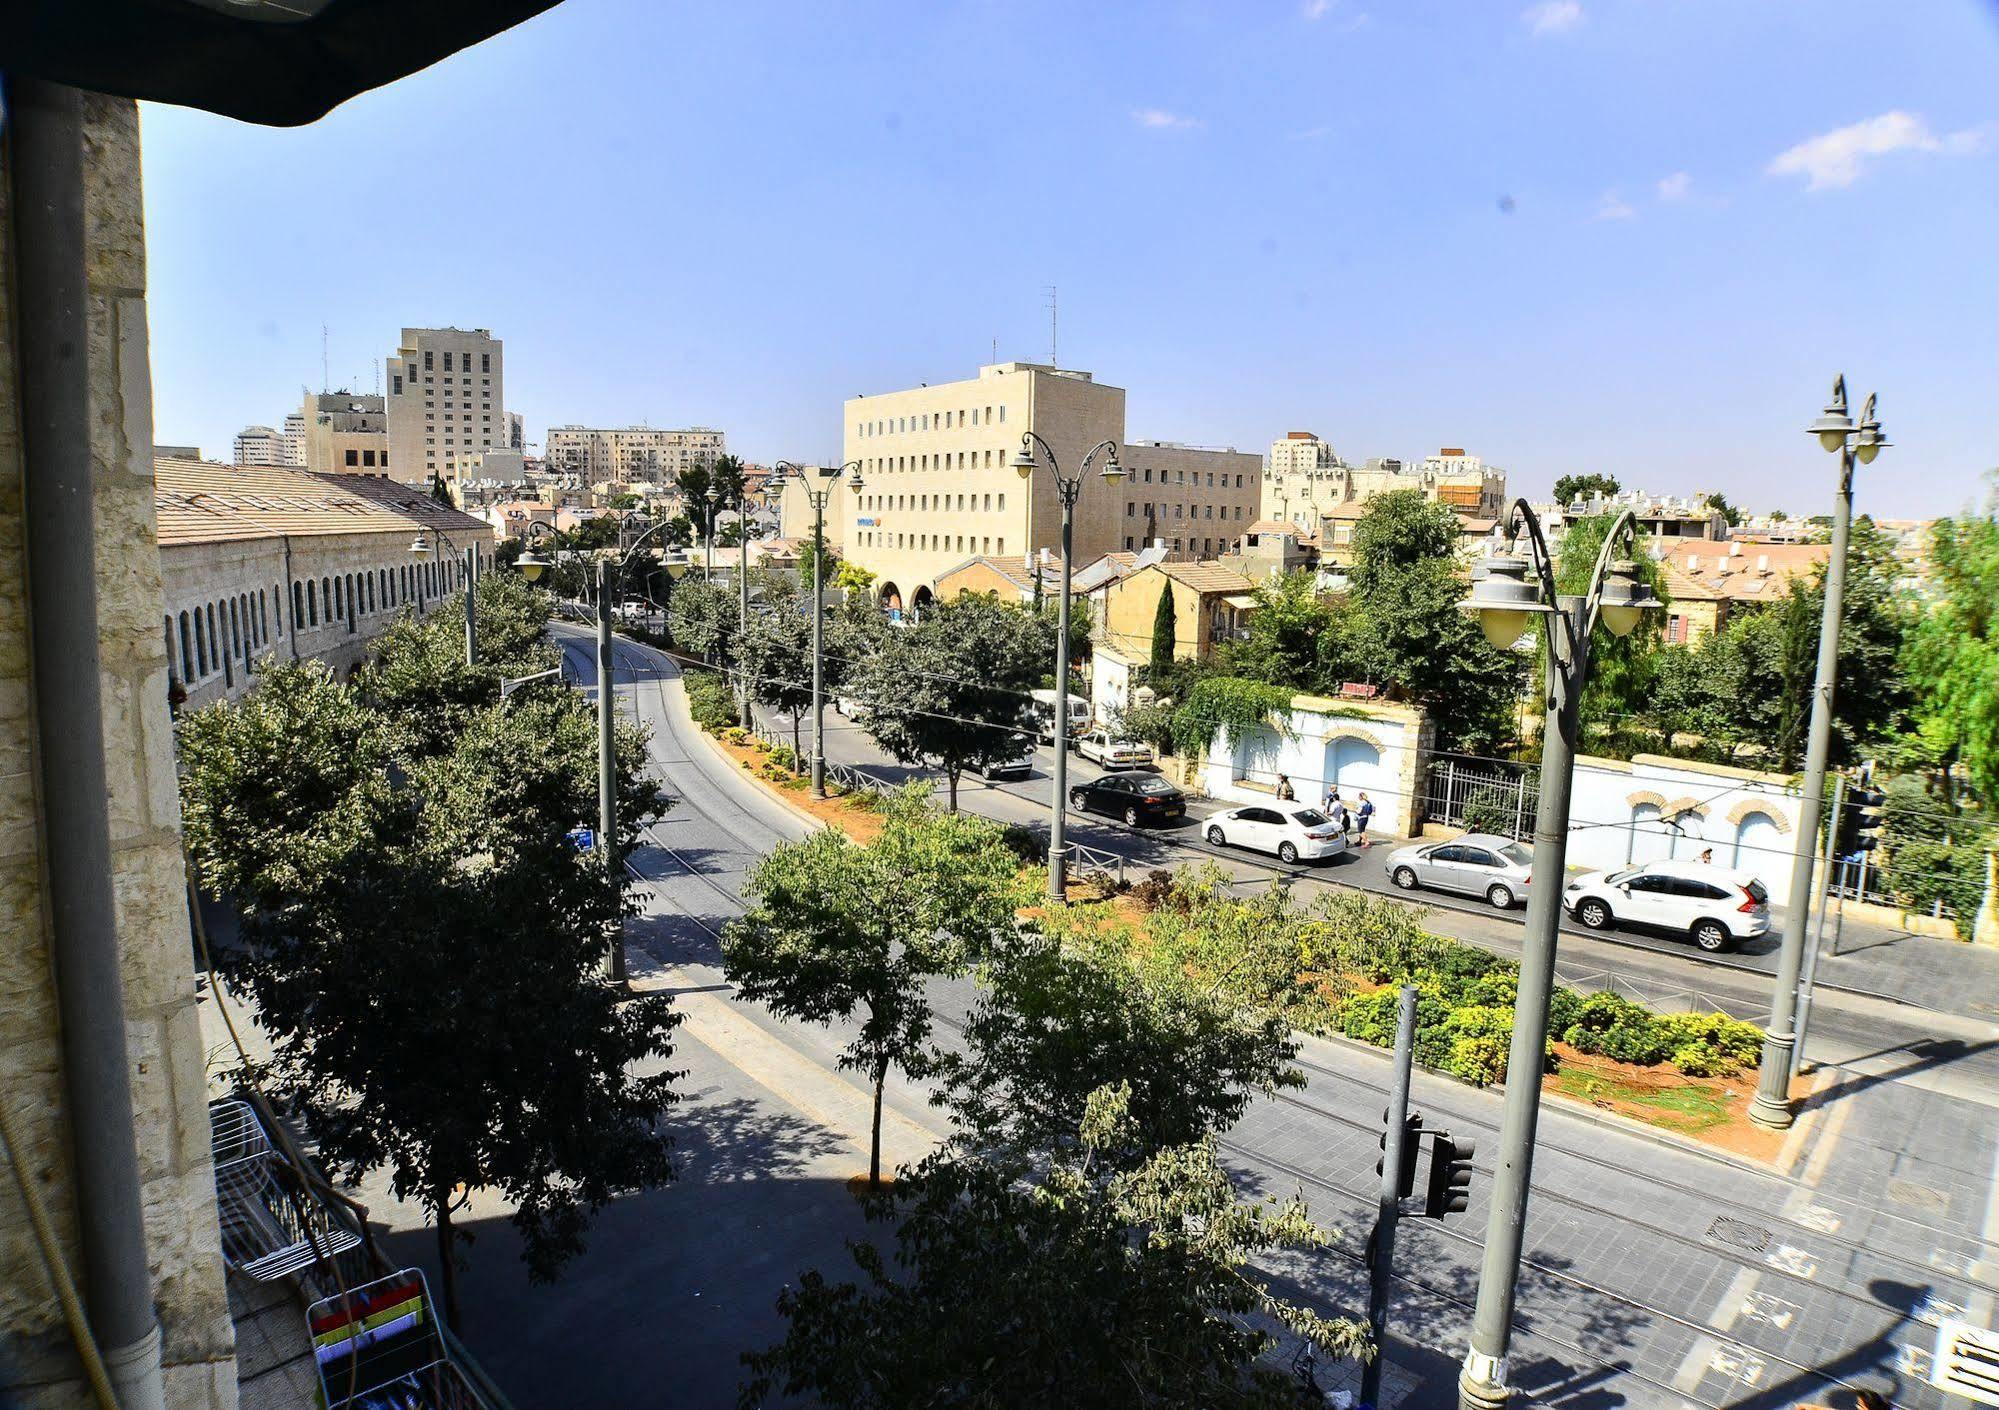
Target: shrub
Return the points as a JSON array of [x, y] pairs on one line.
[[1709, 1044], [1029, 848], [1155, 891], [710, 702], [1478, 1058], [1617, 1029], [1564, 1004], [781, 757], [1490, 809]]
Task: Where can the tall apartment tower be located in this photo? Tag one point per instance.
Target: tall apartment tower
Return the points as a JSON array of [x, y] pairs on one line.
[[259, 445], [294, 434], [630, 453], [446, 402], [1306, 478]]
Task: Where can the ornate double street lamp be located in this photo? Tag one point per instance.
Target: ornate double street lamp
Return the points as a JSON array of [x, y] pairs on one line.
[[1509, 594], [1068, 486], [1837, 432], [420, 546], [532, 565], [818, 494]]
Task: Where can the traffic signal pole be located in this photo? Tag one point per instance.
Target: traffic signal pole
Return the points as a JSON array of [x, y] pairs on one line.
[[1398, 1155], [1811, 966]]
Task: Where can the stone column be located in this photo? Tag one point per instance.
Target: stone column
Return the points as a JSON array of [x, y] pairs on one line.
[[1985, 930]]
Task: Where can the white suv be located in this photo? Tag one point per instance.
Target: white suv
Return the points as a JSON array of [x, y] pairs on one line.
[[1717, 907]]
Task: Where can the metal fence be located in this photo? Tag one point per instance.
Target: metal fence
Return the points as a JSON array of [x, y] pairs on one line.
[[1498, 799]]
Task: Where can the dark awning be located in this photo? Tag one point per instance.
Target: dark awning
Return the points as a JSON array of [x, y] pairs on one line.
[[277, 62]]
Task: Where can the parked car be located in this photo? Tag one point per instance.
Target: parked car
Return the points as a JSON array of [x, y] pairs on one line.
[[1043, 710], [1476, 864], [1136, 797], [1020, 766], [1294, 833], [1112, 752], [1717, 906]]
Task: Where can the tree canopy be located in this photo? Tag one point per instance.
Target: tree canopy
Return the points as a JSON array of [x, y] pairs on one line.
[[397, 850], [1570, 488], [1954, 650]]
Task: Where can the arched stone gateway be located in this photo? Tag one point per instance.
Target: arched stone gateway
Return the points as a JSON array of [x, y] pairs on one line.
[[889, 596]]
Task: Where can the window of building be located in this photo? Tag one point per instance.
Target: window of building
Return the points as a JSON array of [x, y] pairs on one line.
[[485, 362], [311, 604], [353, 456], [1002, 545], [1148, 476], [187, 671], [1002, 508], [1130, 508], [427, 362]]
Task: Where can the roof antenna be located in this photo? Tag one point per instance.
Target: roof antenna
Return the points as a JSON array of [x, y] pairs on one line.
[[325, 378], [1053, 360]]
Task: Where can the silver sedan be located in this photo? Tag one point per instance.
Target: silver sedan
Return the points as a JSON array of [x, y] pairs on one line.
[[1476, 864]]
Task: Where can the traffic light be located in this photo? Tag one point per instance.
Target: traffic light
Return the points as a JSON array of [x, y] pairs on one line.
[[1449, 1190], [1412, 1132], [1868, 815]]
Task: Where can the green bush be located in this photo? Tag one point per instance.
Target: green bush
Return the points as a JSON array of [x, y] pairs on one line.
[[1491, 809], [781, 757], [1615, 1028], [1710, 1044], [710, 701]]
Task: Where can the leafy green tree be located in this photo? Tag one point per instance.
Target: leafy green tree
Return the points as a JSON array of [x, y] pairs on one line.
[[1165, 631], [723, 476], [1231, 703], [401, 910], [953, 689], [1623, 671], [776, 658], [829, 571], [1285, 630], [1729, 513], [850, 578], [1045, 1288], [1570, 488], [1954, 649], [1059, 1016], [841, 931], [704, 618]]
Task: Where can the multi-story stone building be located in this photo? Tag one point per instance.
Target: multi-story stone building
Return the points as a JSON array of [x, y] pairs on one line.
[[259, 445], [446, 402], [1307, 481], [1198, 501], [294, 434], [644, 454], [1305, 478], [346, 433], [940, 487], [265, 560]]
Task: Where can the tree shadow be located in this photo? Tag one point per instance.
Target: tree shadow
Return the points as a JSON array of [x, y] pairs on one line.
[[1927, 1053], [736, 1139]]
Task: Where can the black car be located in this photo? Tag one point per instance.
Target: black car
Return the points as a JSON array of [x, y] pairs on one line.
[[1135, 797]]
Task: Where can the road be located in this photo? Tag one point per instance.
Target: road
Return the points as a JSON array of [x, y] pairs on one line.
[[1859, 1018], [1656, 1276]]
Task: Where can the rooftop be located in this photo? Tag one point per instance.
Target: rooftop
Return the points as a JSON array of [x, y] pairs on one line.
[[197, 501]]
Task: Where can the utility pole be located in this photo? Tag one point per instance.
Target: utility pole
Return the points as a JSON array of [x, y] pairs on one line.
[[607, 759], [1837, 433], [1818, 940], [1396, 1157], [471, 599]]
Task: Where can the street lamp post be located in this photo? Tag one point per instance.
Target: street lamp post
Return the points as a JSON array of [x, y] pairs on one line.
[[1068, 486], [818, 495], [531, 566], [420, 546], [710, 501], [1506, 602], [1837, 432]]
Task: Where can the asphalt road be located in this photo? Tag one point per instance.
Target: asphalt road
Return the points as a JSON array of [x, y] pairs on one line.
[[1655, 1276]]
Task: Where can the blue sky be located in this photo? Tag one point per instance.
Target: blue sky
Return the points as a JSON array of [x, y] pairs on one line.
[[1628, 236]]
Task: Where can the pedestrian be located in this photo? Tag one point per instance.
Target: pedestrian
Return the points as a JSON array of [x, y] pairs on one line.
[[1361, 818], [1285, 792], [1338, 813], [1707, 856]]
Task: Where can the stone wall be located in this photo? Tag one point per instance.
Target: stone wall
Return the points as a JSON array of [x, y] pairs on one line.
[[38, 1366], [1375, 747]]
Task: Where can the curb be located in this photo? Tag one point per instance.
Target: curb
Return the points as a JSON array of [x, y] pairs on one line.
[[685, 716]]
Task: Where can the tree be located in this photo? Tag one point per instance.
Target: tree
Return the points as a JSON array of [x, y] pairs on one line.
[[724, 477], [704, 619], [1285, 630], [440, 491], [1570, 488], [1623, 671], [1730, 515], [1061, 1015], [841, 931], [829, 571], [401, 910], [1034, 1288], [1954, 648], [776, 657], [1165, 632], [954, 688], [850, 578]]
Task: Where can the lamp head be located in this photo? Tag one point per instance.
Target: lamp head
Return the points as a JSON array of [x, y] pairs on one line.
[[854, 481], [1023, 459], [1834, 425], [1872, 442], [532, 565], [1504, 599], [420, 545], [1113, 471], [676, 568], [1625, 598]]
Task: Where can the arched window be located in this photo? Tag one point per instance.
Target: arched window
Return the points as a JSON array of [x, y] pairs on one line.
[[1650, 839], [298, 606], [1758, 842], [311, 603], [200, 646]]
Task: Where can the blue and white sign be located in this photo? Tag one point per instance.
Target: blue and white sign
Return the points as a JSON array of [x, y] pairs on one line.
[[583, 839]]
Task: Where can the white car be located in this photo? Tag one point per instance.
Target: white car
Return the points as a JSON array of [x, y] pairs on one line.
[[1715, 906], [1294, 832], [1113, 753]]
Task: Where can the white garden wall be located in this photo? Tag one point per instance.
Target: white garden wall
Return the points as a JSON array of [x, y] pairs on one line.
[[1654, 807], [1365, 746]]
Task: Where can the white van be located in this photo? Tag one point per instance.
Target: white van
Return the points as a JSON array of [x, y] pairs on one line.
[[1044, 715]]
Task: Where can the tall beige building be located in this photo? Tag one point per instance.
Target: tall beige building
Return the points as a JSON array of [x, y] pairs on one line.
[[347, 433], [940, 487], [446, 402], [259, 445], [630, 454], [1307, 481], [294, 434]]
